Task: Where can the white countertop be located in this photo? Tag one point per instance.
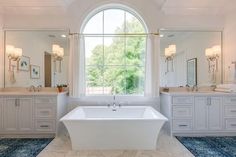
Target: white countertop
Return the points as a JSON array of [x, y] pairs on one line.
[[200, 93], [25, 92]]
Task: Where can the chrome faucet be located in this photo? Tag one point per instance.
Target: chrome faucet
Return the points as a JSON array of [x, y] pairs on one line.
[[38, 88], [114, 103], [32, 88], [195, 88]]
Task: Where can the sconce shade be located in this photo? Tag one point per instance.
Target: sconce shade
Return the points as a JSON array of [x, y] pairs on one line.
[[57, 51], [172, 49], [18, 52], [208, 52], [10, 49], [55, 48], [216, 49], [61, 52], [167, 52], [13, 53]]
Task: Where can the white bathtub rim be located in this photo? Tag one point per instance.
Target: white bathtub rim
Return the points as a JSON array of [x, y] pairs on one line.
[[159, 117]]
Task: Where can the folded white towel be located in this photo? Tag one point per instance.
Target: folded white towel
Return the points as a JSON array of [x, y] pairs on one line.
[[227, 86], [224, 90]]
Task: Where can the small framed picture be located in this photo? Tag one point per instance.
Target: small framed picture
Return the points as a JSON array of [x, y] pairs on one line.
[[35, 71], [24, 63]]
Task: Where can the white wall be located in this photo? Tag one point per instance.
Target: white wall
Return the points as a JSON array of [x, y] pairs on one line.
[[230, 47]]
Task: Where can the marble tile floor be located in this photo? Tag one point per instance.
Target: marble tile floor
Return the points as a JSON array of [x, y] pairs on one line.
[[167, 147]]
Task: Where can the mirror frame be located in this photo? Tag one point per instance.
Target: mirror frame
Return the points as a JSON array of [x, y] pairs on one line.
[[194, 60], [222, 75], [67, 30]]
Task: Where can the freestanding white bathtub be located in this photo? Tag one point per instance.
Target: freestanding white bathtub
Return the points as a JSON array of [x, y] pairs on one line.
[[100, 127]]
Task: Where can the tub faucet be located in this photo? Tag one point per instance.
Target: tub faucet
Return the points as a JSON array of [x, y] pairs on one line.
[[114, 103]]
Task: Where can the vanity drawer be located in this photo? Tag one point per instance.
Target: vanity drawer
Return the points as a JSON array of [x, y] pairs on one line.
[[45, 125], [182, 111], [230, 111], [230, 124], [45, 111], [182, 100], [45, 100], [230, 100], [182, 125]]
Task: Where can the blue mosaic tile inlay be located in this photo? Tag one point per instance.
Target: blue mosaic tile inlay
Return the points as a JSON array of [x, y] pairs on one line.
[[210, 146], [12, 147]]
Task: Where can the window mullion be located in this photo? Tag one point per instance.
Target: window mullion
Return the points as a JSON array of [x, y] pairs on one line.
[[125, 51], [103, 48]]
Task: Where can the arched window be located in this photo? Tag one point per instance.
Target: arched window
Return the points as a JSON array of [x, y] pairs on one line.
[[115, 49]]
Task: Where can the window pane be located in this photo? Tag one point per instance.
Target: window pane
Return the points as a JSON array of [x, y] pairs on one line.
[[114, 78], [135, 50], [95, 24], [135, 80], [114, 21], [114, 50], [94, 50], [133, 25], [94, 80]]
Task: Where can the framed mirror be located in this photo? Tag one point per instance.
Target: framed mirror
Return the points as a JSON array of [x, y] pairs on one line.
[[192, 72], [31, 60], [203, 46]]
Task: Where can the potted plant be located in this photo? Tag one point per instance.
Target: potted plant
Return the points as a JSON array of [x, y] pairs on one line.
[[60, 88]]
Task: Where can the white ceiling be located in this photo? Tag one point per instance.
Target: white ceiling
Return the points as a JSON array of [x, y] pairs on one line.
[[169, 7], [34, 6], [197, 7]]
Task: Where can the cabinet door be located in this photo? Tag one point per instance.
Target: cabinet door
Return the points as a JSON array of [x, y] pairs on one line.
[[200, 113], [10, 114], [25, 118], [214, 114]]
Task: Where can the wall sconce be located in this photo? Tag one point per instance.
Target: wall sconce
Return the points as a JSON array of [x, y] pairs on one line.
[[13, 54], [57, 53], [169, 55], [212, 55]]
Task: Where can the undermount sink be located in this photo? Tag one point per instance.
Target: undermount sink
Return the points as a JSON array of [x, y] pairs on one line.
[[201, 91]]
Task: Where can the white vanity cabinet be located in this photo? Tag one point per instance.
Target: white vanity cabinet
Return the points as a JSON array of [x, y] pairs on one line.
[[207, 113], [229, 105], [197, 114], [18, 114], [32, 115]]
